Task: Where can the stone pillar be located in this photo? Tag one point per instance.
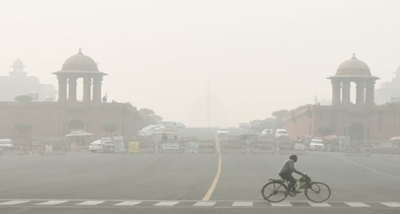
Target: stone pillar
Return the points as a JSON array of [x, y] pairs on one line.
[[62, 88], [336, 94], [370, 87], [97, 88], [346, 92], [72, 89], [360, 95], [87, 85]]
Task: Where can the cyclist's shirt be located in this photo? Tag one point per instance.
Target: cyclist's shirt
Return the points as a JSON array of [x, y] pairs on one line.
[[288, 167]]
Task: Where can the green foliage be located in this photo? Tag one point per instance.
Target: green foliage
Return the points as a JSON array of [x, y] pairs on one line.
[[309, 112], [325, 130], [76, 124], [294, 120], [280, 114], [23, 128], [109, 128], [149, 117]]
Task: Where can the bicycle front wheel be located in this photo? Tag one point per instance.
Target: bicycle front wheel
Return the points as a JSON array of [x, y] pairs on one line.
[[318, 192], [274, 192]]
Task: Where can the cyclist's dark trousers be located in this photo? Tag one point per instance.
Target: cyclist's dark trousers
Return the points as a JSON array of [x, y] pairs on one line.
[[289, 177]]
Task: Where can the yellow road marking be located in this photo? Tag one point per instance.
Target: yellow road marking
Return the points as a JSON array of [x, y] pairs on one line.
[[215, 181]]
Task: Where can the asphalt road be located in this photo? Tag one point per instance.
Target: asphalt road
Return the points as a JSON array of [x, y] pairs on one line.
[[177, 183]]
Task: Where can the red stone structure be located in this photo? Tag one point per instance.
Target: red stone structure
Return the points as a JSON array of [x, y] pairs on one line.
[[360, 121], [57, 119]]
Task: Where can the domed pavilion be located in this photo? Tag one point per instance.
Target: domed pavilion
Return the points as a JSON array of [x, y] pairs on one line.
[[75, 67], [357, 71], [359, 122]]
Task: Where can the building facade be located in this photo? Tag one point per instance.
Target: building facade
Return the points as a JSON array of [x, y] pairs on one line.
[[19, 83], [357, 118], [57, 119], [389, 92]]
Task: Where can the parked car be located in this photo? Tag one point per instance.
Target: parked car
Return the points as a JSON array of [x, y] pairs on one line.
[[281, 133], [317, 144], [6, 143], [96, 146], [267, 133]]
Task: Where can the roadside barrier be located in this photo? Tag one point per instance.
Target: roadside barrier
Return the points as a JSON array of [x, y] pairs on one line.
[[357, 149], [148, 147], [12, 150], [264, 147], [233, 147], [207, 146], [171, 147]]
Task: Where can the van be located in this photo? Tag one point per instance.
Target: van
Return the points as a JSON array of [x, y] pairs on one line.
[[5, 143], [281, 133]]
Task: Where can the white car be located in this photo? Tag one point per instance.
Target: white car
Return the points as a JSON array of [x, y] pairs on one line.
[[317, 144], [96, 146], [281, 133], [267, 133], [6, 143]]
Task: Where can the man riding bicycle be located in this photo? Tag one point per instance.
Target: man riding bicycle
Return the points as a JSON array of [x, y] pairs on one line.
[[287, 170]]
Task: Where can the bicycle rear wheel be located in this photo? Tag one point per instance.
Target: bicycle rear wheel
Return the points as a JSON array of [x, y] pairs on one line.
[[274, 192], [318, 192]]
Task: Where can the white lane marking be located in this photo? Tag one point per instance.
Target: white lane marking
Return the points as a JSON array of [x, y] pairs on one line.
[[90, 203], [319, 204], [14, 202], [391, 204], [128, 203], [204, 204], [52, 202], [282, 204], [166, 203], [356, 204], [242, 204]]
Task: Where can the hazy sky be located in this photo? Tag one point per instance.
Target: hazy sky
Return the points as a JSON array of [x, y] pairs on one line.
[[259, 56]]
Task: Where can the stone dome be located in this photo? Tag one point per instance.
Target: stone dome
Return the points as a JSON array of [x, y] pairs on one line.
[[18, 63], [79, 62], [353, 67]]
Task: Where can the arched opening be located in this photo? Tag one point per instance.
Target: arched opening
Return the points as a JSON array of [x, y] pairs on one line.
[[75, 124], [79, 90], [353, 93], [356, 132]]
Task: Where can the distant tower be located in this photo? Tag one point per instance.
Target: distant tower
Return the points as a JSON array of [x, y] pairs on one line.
[[18, 68]]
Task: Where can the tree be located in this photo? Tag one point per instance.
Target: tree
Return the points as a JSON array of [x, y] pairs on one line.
[[149, 117], [23, 98], [109, 128], [325, 130], [23, 128], [280, 114], [75, 124], [146, 111], [309, 112], [294, 120]]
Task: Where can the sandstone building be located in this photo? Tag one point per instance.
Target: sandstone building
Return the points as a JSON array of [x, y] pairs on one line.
[[56, 119], [359, 118]]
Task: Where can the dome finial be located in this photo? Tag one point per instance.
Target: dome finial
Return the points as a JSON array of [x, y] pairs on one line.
[[80, 51], [354, 56]]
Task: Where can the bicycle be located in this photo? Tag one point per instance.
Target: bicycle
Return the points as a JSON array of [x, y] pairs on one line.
[[277, 190]]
